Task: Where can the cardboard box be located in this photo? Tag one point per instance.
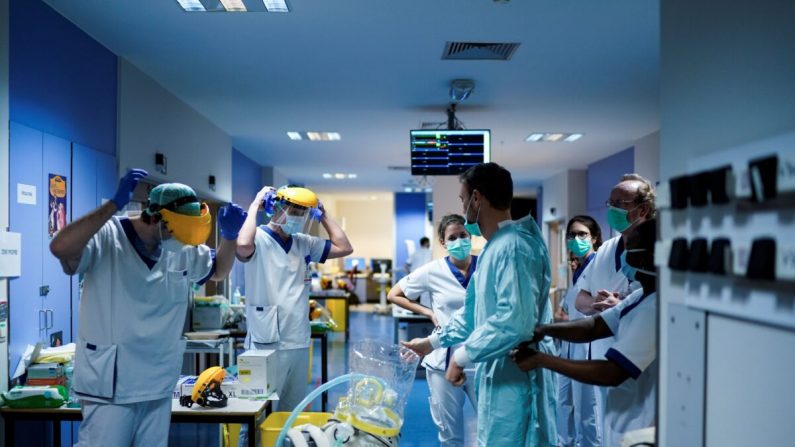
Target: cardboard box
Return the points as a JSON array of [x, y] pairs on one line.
[[255, 370], [207, 317]]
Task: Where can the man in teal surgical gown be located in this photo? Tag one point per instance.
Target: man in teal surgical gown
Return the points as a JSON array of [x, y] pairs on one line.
[[506, 298]]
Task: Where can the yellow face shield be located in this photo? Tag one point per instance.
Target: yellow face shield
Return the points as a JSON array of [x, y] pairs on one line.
[[190, 230]]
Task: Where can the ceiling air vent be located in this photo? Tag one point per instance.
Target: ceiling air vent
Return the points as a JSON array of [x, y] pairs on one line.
[[479, 51]]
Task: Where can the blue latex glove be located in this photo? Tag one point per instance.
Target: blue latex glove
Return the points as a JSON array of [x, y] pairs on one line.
[[317, 213], [126, 187], [230, 220]]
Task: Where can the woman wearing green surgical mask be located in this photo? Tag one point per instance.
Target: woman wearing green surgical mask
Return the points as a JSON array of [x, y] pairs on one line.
[[445, 280], [579, 405]]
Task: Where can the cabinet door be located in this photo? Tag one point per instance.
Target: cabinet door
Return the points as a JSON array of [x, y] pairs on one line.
[[25, 163], [57, 160]]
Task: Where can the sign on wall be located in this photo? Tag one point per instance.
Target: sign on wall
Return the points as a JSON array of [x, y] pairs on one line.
[[26, 194], [10, 254]]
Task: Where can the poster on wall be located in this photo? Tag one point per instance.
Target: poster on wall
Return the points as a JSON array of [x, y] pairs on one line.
[[57, 204]]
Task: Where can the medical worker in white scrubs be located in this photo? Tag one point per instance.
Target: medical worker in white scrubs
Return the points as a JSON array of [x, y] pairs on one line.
[[137, 275], [602, 285], [507, 297], [630, 368], [579, 412], [445, 281], [277, 273]]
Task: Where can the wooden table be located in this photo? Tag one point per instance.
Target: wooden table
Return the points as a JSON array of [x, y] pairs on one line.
[[237, 411]]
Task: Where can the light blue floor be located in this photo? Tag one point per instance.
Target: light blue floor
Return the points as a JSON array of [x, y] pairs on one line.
[[418, 429]]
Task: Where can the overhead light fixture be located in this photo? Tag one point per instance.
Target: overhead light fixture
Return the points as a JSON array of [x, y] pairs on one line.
[[553, 137], [339, 176], [191, 5], [327, 175], [276, 5], [323, 136], [407, 189], [234, 5], [351, 175], [294, 135]]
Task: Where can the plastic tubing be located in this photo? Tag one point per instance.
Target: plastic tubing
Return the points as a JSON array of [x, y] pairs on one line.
[[312, 396]]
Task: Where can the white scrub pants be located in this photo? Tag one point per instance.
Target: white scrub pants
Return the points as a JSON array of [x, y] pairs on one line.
[[447, 406], [579, 413], [138, 424], [291, 381]]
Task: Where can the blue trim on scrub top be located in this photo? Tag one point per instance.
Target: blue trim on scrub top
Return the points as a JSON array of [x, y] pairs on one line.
[[136, 242], [581, 268], [627, 309], [326, 251], [623, 362], [212, 269], [464, 281], [619, 251], [286, 245]]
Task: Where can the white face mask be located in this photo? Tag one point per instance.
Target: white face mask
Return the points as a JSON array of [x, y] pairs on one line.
[[171, 244], [293, 225]]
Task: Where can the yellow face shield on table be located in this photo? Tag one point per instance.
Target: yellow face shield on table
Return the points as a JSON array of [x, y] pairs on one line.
[[190, 230]]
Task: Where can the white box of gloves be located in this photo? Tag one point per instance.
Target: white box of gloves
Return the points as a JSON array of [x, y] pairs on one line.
[[256, 372]]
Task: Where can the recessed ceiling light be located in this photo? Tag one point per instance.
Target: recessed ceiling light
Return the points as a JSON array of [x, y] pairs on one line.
[[234, 5], [191, 5], [327, 175], [276, 5], [352, 175], [573, 137], [314, 136], [339, 176], [553, 137], [533, 137], [294, 135], [407, 189]]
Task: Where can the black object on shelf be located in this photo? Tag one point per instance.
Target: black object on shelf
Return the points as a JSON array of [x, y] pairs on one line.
[[720, 256], [698, 261], [718, 184], [762, 262], [699, 189], [680, 187], [763, 176], [679, 258]]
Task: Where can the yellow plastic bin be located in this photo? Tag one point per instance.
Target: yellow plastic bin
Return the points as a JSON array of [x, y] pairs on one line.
[[338, 309], [270, 428]]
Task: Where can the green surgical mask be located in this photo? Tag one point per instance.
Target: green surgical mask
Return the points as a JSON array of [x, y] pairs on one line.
[[459, 248], [617, 219], [580, 247]]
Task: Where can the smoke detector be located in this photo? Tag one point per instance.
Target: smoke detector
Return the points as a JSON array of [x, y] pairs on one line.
[[460, 89]]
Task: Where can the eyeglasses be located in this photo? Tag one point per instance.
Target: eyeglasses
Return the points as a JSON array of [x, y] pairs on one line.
[[619, 203], [577, 234]]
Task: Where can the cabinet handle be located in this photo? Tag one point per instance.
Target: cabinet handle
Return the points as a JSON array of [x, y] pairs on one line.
[[50, 318], [42, 324]]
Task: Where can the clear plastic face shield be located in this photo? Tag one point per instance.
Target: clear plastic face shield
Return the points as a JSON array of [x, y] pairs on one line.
[[293, 209]]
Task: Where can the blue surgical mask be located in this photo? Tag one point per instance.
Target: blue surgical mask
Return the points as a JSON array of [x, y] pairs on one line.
[[459, 248], [629, 271], [472, 227], [293, 225], [580, 247]]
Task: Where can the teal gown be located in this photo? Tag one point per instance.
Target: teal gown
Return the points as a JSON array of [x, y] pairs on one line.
[[505, 300]]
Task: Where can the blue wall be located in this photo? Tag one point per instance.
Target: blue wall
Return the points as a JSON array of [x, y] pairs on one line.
[[602, 175], [246, 183], [61, 81], [410, 216]]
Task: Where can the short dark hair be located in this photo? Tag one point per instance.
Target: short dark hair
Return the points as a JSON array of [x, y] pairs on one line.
[[593, 227], [493, 181], [424, 240], [446, 222]]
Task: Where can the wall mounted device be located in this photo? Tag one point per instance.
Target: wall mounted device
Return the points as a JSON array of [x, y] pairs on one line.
[[161, 163]]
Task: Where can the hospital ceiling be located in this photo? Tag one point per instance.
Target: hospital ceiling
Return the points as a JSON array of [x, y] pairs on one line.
[[372, 70]]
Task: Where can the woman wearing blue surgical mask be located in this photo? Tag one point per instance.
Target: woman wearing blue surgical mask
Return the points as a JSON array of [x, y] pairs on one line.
[[579, 405], [445, 280]]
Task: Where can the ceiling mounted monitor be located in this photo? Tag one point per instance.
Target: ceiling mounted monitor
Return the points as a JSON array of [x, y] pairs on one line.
[[448, 152]]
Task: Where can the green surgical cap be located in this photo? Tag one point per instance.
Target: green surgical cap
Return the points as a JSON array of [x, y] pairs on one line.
[[169, 192]]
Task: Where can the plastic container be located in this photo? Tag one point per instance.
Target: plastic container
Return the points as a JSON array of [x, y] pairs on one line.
[[270, 428], [236, 296]]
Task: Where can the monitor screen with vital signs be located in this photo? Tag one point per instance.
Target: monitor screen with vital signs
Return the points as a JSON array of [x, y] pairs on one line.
[[448, 152]]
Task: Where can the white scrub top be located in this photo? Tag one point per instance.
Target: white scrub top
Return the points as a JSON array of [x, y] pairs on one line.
[[446, 286], [420, 257], [132, 312], [631, 405], [604, 272], [277, 287]]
